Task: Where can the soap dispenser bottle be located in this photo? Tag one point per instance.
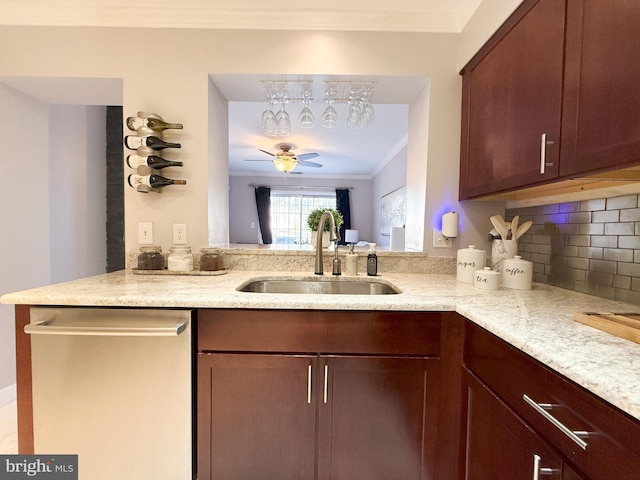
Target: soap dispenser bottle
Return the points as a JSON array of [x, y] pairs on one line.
[[372, 261]]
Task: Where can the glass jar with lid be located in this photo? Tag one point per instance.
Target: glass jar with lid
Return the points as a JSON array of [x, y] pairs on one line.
[[211, 259], [150, 258], [180, 259]]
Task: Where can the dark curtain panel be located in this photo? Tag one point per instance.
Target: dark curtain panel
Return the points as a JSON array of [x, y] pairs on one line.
[[344, 207], [263, 202], [115, 191]]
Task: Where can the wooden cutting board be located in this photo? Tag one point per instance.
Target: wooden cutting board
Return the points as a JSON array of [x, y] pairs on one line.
[[624, 325]]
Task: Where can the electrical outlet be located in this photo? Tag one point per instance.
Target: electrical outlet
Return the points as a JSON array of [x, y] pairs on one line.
[[440, 241], [179, 233], [145, 233]]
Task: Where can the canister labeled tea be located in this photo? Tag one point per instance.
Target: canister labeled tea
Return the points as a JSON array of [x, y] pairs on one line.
[[487, 279]]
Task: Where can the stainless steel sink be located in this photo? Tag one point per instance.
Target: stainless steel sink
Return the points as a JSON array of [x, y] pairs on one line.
[[318, 285]]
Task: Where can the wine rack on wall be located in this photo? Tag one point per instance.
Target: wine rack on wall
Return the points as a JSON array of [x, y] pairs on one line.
[[147, 145]]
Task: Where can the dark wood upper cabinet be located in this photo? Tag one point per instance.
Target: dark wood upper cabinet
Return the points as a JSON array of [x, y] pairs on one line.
[[512, 96], [601, 124], [567, 69]]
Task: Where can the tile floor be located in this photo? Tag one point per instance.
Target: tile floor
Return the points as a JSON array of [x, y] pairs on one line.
[[8, 429]]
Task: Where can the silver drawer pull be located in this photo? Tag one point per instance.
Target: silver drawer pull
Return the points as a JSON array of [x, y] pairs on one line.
[[309, 385], [542, 408], [538, 470]]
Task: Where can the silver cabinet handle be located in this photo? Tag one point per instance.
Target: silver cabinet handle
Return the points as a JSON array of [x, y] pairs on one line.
[[107, 322], [543, 153], [538, 470], [542, 408], [326, 382], [536, 467], [309, 385], [96, 329]]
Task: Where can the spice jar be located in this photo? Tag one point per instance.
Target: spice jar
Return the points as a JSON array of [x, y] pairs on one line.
[[150, 258], [211, 259], [180, 259]]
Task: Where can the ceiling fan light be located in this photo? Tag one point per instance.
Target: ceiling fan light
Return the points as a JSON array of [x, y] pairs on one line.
[[285, 163]]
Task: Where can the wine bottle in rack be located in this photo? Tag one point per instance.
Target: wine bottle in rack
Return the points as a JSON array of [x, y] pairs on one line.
[[134, 142], [153, 181], [152, 161], [155, 124]]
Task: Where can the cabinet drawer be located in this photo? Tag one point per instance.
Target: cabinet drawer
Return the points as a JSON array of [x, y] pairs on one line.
[[380, 333], [522, 382]]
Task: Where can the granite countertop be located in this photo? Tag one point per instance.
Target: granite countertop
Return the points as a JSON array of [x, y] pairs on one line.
[[538, 321]]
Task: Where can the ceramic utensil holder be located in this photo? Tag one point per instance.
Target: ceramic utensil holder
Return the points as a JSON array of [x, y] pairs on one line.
[[501, 249]]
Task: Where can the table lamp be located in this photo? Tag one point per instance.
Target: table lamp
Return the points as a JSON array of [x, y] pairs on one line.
[[351, 237]]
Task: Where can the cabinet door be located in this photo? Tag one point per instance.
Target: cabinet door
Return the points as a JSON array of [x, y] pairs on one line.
[[377, 418], [256, 417], [511, 95], [601, 120], [499, 444]]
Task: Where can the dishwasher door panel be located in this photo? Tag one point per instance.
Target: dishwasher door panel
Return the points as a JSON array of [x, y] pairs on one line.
[[122, 403]]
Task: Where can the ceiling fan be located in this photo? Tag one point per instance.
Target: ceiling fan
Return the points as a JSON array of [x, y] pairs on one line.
[[286, 160]]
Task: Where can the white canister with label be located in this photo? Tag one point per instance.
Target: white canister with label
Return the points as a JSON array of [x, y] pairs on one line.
[[469, 260], [487, 279], [517, 273]]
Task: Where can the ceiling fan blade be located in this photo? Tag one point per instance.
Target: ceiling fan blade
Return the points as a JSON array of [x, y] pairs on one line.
[[307, 156], [304, 163], [258, 160], [268, 153]]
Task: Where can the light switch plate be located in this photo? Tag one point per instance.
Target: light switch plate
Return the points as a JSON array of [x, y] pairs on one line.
[[145, 233]]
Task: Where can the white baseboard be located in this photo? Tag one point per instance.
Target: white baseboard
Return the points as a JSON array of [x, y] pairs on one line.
[[7, 394]]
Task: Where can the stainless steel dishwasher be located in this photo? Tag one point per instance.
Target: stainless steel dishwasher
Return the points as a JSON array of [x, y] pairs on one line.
[[114, 386]]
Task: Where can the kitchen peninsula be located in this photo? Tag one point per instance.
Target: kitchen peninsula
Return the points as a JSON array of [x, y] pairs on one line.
[[538, 322]]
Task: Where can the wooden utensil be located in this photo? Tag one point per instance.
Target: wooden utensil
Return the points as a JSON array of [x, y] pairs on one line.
[[522, 229], [514, 226], [499, 225]]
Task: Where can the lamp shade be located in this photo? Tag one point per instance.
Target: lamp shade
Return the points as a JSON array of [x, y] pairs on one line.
[[351, 236]]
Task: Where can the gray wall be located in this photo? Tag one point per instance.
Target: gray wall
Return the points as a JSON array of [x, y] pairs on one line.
[[591, 246], [77, 150], [24, 209], [52, 201]]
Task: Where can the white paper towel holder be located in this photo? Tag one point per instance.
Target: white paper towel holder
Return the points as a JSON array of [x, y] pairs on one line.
[[450, 224]]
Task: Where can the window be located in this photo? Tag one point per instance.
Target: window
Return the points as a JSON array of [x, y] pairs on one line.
[[289, 212]]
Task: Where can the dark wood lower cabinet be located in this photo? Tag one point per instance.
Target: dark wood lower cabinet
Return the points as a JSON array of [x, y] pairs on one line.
[[264, 417], [377, 418], [286, 395], [256, 418], [499, 444]]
